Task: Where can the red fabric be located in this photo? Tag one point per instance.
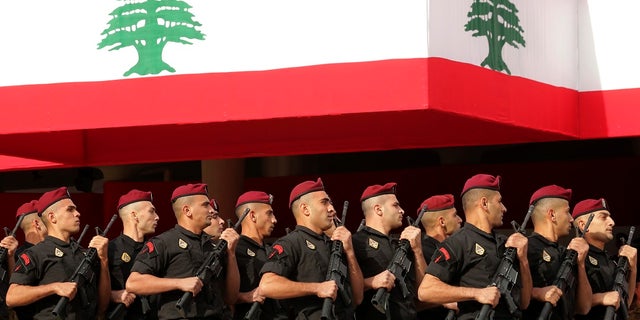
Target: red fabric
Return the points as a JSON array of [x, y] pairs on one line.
[[134, 195], [482, 181], [551, 191], [27, 208], [437, 203], [378, 190], [304, 188], [254, 197], [51, 197], [190, 189], [589, 205]]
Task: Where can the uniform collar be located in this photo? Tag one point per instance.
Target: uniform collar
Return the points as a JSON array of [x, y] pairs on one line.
[[308, 231], [249, 241], [58, 242], [375, 232], [430, 239], [544, 240], [475, 229], [188, 233], [129, 240], [597, 251]]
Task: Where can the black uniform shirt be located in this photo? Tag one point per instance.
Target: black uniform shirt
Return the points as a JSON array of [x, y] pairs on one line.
[[601, 271], [54, 260], [177, 253], [469, 258], [251, 256], [374, 252], [545, 258], [429, 247], [303, 256], [122, 252], [21, 248]]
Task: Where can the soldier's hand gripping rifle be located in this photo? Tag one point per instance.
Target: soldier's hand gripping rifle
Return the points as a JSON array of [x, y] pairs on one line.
[[4, 252], [337, 271], [621, 285], [84, 272], [506, 275], [211, 267], [565, 279], [399, 266]]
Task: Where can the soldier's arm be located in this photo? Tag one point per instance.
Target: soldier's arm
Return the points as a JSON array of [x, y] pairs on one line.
[[148, 284], [277, 287], [104, 283], [355, 274], [232, 279], [433, 290], [413, 234], [22, 295], [520, 242], [583, 287]]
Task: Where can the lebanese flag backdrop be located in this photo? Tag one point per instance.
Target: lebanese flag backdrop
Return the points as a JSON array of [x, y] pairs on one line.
[[291, 77]]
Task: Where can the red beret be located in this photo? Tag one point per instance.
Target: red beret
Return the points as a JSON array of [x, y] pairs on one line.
[[378, 190], [51, 197], [482, 181], [304, 188], [134, 196], [437, 203], [27, 208], [254, 197], [214, 204], [191, 189], [552, 191], [588, 206]]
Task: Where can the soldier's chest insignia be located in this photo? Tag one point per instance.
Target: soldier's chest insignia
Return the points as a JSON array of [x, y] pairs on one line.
[[125, 257], [593, 261], [373, 243], [58, 253], [310, 245], [250, 253], [479, 250], [545, 256], [182, 244]]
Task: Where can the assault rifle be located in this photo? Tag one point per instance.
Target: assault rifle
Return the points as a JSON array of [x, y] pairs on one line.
[[4, 252], [84, 272], [565, 279], [399, 266], [621, 285], [337, 271], [212, 266], [506, 275]]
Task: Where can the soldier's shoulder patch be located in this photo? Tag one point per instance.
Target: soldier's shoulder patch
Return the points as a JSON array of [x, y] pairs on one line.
[[479, 249], [149, 248], [593, 261], [250, 253], [277, 251], [546, 256], [58, 253], [24, 263], [182, 244], [442, 254], [125, 257]]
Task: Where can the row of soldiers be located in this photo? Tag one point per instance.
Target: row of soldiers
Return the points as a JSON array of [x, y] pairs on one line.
[[318, 270]]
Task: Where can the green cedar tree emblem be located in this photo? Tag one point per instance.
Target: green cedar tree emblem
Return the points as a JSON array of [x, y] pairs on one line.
[[148, 25], [498, 21]]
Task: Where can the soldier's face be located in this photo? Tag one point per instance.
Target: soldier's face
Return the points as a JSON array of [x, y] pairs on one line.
[[216, 227], [563, 218], [601, 228], [201, 210], [452, 221], [265, 219], [321, 210], [147, 218], [496, 209], [392, 211], [67, 216]]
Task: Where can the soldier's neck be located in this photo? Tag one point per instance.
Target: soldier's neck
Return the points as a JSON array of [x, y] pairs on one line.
[[377, 225], [132, 232], [253, 235], [61, 235], [437, 233], [546, 231]]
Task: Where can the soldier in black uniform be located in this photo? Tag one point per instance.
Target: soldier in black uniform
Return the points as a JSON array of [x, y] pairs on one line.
[[10, 244], [462, 268], [139, 220], [600, 268], [375, 250], [168, 262], [42, 272], [297, 266], [32, 226], [440, 221], [552, 220], [251, 252]]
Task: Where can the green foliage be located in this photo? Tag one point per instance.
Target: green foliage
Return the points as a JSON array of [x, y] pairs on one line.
[[148, 26], [498, 21]]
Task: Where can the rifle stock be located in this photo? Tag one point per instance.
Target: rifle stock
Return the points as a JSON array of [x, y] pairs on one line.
[[399, 266], [211, 265], [83, 272], [506, 276], [337, 271], [565, 277], [620, 284]]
